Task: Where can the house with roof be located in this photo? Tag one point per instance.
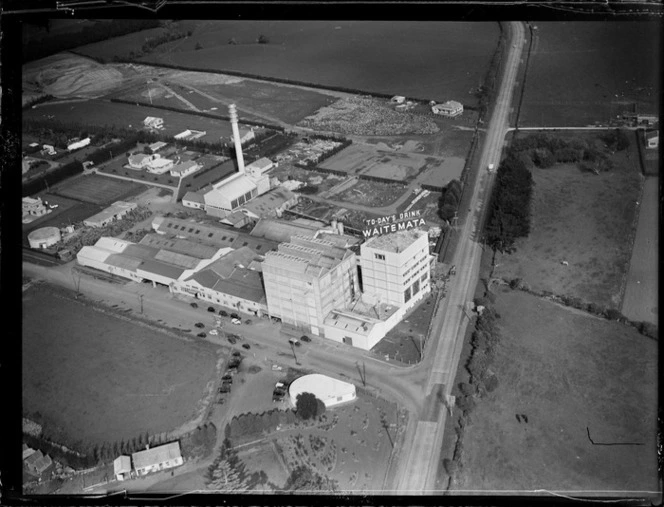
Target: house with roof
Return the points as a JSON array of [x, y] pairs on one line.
[[236, 219], [652, 139], [158, 165], [184, 169], [138, 160], [39, 464], [155, 147], [122, 468], [156, 459], [450, 109], [398, 99], [153, 122], [193, 200]]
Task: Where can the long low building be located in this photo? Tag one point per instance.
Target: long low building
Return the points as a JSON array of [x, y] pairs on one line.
[[115, 211], [156, 459]]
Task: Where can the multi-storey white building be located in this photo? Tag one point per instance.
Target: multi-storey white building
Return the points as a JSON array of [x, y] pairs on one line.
[[308, 278]]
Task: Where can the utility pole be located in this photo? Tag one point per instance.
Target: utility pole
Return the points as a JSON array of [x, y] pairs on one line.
[[140, 298], [293, 349]]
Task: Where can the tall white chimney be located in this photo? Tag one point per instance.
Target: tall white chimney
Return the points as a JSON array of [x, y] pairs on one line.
[[232, 112]]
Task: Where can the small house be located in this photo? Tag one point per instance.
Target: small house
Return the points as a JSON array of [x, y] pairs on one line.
[[398, 99], [156, 459], [48, 149], [184, 169], [652, 139], [122, 468], [450, 109], [153, 122], [193, 200]]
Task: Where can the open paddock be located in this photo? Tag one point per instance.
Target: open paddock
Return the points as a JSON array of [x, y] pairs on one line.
[[441, 174], [100, 378], [96, 189], [577, 378], [584, 219], [99, 112]]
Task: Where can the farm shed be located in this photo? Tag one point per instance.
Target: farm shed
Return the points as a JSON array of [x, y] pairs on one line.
[[122, 468], [158, 458], [155, 147], [451, 109], [75, 145], [115, 211], [44, 237], [327, 389]]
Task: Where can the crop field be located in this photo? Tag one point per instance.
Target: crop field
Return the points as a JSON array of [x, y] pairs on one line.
[[583, 72], [578, 380], [101, 378], [584, 219], [641, 292], [97, 189], [365, 159], [96, 112], [435, 60]]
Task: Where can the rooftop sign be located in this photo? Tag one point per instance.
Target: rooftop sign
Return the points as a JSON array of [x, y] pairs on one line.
[[392, 223]]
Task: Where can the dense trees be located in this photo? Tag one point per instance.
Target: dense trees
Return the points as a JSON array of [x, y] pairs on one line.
[[307, 406], [304, 478], [448, 204]]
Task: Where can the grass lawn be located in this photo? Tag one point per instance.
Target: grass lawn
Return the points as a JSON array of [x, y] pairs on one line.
[[584, 219], [569, 373], [582, 72], [97, 189], [435, 60], [101, 378]]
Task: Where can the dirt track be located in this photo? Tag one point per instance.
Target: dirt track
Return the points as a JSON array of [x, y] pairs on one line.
[[640, 300]]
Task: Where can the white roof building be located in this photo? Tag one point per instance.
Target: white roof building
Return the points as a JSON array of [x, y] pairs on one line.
[[78, 144], [122, 467], [451, 108], [153, 122], [185, 168], [158, 165], [158, 458], [327, 389], [230, 194]]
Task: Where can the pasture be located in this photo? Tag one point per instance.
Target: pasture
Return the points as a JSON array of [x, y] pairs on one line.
[[433, 60], [641, 291], [97, 112], [100, 378], [577, 378], [442, 173], [96, 189], [584, 219], [583, 72]]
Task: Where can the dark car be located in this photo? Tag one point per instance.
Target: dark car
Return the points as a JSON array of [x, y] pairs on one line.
[[201, 335], [237, 353], [305, 338], [194, 305], [235, 336], [234, 316], [225, 389], [199, 325], [246, 346], [231, 340], [223, 313], [211, 309], [227, 377]]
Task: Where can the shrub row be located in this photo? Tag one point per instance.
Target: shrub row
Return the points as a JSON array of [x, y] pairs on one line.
[[450, 197], [246, 427]]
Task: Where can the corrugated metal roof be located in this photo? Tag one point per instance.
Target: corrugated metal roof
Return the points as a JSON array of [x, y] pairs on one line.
[[177, 259], [244, 284], [156, 455], [208, 234], [123, 261], [162, 269], [194, 197], [280, 230], [93, 253], [112, 244], [141, 251], [258, 245], [182, 246]]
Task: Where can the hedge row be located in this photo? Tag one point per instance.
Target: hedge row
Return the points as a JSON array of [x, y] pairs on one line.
[[249, 426]]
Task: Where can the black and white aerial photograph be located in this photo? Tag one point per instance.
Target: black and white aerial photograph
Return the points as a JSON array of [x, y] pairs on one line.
[[337, 256]]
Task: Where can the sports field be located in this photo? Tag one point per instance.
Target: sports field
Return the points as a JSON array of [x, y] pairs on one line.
[[98, 112], [98, 377], [641, 302], [430, 60], [582, 72], [578, 380], [583, 219], [97, 189]]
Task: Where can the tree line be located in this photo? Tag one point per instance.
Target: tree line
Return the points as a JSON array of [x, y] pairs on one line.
[[450, 197]]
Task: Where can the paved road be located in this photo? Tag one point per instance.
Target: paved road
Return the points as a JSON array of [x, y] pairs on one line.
[[420, 470]]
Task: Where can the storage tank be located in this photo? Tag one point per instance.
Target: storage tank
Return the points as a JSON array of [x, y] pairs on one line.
[[44, 237]]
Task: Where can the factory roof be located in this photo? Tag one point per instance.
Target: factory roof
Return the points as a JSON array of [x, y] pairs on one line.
[[204, 233], [177, 259], [161, 268], [269, 202], [194, 197], [395, 242], [352, 322], [234, 187], [182, 246], [114, 209], [123, 261], [261, 164], [282, 230]]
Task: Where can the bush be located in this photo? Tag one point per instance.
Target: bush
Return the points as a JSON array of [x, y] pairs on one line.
[[465, 403], [491, 383], [467, 389], [306, 406], [515, 283], [613, 314], [648, 329]]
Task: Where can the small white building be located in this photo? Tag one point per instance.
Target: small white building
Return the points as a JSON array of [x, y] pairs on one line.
[[190, 134], [78, 144], [156, 459], [153, 122], [44, 237], [122, 468], [33, 206], [327, 389], [48, 149], [193, 200], [652, 139], [398, 99], [450, 109], [185, 168], [246, 135], [138, 160], [158, 165], [155, 147]]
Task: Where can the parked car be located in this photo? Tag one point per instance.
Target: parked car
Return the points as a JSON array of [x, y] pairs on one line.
[[231, 340], [294, 341], [227, 376], [246, 346], [211, 309], [235, 316], [276, 367], [199, 325], [223, 313], [237, 322], [201, 335], [237, 353], [224, 389], [194, 305], [236, 336], [247, 322], [305, 338], [214, 332]]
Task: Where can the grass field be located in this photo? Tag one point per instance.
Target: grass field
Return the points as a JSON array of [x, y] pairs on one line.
[[441, 174], [101, 378], [430, 60], [641, 293], [582, 72], [584, 219], [97, 189], [569, 373], [96, 112]]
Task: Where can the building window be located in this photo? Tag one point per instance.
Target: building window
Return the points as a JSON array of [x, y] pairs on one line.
[[380, 257], [406, 295], [424, 277]]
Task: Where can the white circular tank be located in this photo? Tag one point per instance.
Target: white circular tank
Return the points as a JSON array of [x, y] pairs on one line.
[[44, 237]]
